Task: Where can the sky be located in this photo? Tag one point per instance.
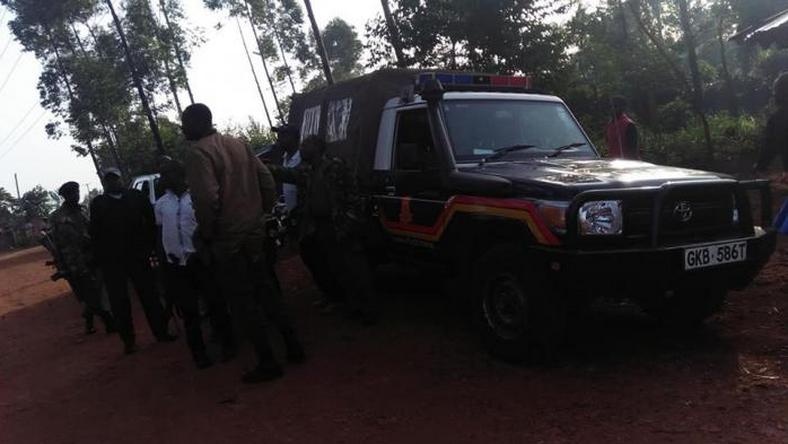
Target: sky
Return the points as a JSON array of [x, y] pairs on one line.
[[219, 76]]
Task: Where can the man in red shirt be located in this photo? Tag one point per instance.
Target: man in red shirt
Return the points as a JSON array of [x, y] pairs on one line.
[[621, 134]]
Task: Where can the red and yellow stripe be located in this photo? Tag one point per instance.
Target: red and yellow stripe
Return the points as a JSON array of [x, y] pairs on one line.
[[521, 210]]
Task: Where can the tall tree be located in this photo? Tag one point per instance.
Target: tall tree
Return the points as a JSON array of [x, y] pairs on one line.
[[321, 50], [506, 36], [175, 39], [154, 127], [394, 38], [697, 83]]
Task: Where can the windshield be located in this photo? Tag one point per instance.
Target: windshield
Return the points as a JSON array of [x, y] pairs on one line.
[[480, 127]]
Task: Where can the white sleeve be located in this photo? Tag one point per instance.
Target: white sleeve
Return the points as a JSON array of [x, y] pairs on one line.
[[157, 211]]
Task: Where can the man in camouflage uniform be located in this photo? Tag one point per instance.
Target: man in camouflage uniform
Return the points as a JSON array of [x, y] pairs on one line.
[[69, 227], [332, 214]]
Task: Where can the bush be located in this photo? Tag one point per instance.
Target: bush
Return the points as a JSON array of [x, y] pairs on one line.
[[735, 141]]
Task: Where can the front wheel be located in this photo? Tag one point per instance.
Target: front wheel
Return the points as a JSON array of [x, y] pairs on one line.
[[518, 315]]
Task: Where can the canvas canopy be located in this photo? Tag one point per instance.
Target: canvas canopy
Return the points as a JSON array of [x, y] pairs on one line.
[[347, 115]]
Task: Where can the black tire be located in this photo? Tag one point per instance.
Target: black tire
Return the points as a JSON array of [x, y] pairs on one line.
[[689, 307], [518, 316]]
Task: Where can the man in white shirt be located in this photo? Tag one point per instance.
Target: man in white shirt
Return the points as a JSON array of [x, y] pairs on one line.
[[185, 275], [287, 142]]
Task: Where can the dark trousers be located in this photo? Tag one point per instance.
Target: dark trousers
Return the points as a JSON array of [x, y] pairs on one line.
[[255, 301], [346, 263], [116, 279], [185, 286], [316, 254], [87, 291]]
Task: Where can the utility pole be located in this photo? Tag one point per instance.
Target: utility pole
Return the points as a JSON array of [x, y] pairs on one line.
[[254, 73], [16, 181], [321, 49], [154, 126]]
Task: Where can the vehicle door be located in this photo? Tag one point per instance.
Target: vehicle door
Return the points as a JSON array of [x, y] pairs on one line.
[[413, 205]]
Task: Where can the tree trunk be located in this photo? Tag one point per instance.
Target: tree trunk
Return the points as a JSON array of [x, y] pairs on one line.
[[394, 37], [112, 143], [282, 51], [70, 93], [178, 52], [254, 74], [253, 24], [173, 84], [733, 105], [321, 49], [697, 84], [154, 127]]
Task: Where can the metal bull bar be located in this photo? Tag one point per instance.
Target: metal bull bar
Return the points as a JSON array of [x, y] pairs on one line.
[[661, 193]]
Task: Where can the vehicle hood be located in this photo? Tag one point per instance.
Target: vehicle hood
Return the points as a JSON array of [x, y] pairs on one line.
[[570, 176]]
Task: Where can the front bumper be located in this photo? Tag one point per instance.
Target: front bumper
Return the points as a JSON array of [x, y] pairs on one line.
[[643, 270]]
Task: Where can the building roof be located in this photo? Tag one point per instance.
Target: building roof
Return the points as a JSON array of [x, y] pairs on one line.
[[773, 30]]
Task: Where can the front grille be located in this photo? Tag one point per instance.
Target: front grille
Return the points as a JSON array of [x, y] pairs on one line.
[[686, 216]]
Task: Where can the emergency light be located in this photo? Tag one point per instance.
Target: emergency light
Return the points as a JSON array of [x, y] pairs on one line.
[[474, 80]]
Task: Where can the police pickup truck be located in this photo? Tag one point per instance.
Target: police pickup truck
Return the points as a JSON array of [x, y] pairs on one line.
[[501, 187]]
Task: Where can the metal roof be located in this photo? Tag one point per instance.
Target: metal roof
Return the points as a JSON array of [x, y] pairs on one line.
[[773, 30]]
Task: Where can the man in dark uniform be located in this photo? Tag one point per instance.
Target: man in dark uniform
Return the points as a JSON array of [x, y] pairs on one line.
[[309, 248], [72, 241], [232, 191], [331, 218], [123, 230]]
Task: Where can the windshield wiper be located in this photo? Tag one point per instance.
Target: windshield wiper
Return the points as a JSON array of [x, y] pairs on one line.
[[557, 151], [500, 152]]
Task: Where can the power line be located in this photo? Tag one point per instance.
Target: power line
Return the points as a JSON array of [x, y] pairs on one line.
[[16, 142], [5, 48], [10, 73], [18, 124]]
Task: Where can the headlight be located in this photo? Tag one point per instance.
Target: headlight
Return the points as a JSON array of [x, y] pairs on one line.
[[602, 217]]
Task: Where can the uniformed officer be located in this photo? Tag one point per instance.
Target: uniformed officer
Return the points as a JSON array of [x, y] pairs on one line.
[[72, 242], [332, 216]]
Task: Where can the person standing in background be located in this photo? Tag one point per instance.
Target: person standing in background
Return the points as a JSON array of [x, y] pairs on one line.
[[621, 133], [72, 241], [123, 230], [186, 276]]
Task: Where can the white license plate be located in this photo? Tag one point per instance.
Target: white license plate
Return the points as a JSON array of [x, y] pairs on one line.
[[711, 255]]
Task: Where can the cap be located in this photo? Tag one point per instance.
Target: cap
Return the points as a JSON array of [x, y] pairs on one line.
[[286, 128], [110, 170], [66, 187]]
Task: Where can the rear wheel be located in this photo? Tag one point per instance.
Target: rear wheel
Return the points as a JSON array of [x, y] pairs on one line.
[[517, 315]]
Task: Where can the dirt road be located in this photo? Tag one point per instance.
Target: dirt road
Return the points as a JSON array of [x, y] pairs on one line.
[[419, 376]]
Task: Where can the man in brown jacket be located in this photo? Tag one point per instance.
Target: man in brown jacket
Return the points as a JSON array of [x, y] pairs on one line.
[[232, 191]]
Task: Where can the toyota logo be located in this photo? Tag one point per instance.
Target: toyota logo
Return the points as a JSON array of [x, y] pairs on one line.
[[682, 212]]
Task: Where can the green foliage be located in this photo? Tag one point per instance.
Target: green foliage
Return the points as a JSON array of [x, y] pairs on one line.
[[253, 132], [507, 36], [343, 49], [35, 204], [735, 141]]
